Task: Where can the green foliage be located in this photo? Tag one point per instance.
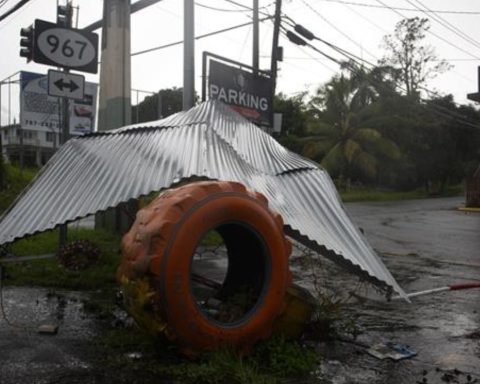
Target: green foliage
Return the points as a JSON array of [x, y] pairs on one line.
[[271, 361], [48, 272], [170, 102], [15, 181], [341, 141], [294, 113], [414, 62], [285, 358], [359, 193]]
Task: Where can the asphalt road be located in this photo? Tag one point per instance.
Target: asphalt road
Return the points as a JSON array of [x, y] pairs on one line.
[[424, 243]]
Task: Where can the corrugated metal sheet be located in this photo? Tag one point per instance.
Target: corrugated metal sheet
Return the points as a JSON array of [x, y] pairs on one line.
[[95, 172]]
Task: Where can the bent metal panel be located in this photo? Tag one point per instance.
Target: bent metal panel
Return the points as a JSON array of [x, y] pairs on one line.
[[248, 94]]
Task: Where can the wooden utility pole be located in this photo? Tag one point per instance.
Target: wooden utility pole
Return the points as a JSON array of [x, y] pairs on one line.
[[276, 32], [188, 55]]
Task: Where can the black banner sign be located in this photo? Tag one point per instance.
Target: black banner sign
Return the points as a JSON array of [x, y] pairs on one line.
[[248, 94]]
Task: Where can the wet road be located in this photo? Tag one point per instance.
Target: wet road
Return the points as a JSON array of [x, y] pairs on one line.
[[425, 244]]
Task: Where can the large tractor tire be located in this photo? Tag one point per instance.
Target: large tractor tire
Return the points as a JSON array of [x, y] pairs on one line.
[[157, 258]]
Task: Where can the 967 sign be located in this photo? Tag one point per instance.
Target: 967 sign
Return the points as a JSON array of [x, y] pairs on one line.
[[65, 47]]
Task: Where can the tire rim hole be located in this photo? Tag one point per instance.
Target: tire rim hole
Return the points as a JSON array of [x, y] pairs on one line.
[[228, 273]]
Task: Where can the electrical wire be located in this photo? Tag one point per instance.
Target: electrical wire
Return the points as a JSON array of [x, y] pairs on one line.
[[14, 9], [196, 38], [403, 9], [433, 107], [445, 23], [3, 2], [246, 7], [336, 28], [430, 32], [220, 9]]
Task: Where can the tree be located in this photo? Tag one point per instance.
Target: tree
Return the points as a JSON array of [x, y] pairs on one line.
[[415, 62], [147, 110], [294, 113], [342, 140]]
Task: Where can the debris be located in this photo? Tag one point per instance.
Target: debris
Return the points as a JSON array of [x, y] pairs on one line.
[[48, 329], [391, 350]]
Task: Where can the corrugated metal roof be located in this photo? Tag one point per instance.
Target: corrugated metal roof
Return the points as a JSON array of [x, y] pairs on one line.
[[92, 173]]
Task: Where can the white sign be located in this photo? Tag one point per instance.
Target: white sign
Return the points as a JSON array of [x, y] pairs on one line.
[[41, 112], [65, 47], [61, 84]]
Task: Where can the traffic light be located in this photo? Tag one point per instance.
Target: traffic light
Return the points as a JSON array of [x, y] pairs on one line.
[[64, 15], [27, 42]]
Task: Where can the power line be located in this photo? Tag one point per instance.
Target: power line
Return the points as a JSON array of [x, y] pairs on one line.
[[435, 108], [3, 2], [337, 29], [445, 23], [14, 9], [402, 9], [220, 9], [196, 38], [432, 33]]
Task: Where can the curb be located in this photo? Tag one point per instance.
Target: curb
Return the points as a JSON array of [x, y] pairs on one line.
[[468, 209]]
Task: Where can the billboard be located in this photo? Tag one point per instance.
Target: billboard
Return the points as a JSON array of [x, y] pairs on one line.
[[41, 112], [247, 93]]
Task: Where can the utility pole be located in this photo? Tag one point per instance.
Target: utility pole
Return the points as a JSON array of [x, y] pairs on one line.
[[188, 55], [276, 32], [273, 67], [255, 63], [115, 108]]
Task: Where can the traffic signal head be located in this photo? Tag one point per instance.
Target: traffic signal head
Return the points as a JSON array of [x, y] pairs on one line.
[[64, 15], [26, 42]]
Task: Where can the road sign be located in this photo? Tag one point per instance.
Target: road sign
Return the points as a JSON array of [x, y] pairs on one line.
[[67, 85], [65, 47], [248, 93]]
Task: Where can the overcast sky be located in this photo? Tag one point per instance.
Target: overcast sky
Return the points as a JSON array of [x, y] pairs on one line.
[[356, 28]]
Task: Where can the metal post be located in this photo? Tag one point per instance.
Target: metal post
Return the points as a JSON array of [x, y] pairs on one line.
[[188, 55], [63, 229], [255, 37], [9, 101], [478, 78], [204, 76], [1, 83], [136, 109]]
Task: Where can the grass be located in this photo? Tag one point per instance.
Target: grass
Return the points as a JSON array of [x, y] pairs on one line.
[[16, 181], [49, 273], [272, 361], [371, 194]]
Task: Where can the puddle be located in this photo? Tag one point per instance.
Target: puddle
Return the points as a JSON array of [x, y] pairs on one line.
[[29, 357]]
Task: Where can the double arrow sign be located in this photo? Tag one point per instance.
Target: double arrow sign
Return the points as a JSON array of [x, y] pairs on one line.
[[61, 84]]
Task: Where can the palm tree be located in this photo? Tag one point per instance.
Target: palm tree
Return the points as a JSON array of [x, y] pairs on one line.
[[341, 139]]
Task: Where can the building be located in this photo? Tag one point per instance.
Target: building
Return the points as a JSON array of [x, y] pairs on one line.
[[28, 147]]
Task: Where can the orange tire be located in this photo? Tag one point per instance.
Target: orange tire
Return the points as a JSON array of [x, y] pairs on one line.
[[161, 244]]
